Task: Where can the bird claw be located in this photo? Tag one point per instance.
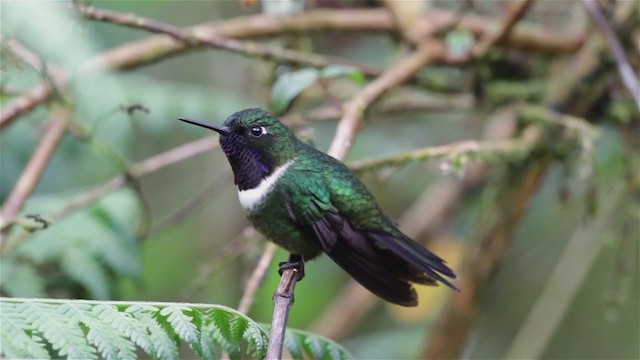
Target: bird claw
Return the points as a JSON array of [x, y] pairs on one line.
[[295, 262]]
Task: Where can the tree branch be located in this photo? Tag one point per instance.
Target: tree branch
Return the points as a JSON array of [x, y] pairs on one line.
[[514, 14], [282, 299], [627, 74], [398, 73], [156, 48], [135, 171], [34, 169], [196, 39], [511, 147]]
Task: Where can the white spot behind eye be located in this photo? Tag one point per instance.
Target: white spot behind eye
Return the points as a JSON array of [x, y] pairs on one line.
[[257, 131]]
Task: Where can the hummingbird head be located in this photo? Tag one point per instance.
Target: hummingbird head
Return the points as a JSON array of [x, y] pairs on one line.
[[255, 143]]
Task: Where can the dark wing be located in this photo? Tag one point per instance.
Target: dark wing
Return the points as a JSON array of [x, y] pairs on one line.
[[383, 263]]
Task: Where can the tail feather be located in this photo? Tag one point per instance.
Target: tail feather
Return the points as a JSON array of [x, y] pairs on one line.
[[417, 256], [377, 262]]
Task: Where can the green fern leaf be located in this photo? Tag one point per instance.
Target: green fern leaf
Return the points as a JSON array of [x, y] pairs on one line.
[[314, 347], [183, 326], [20, 279], [165, 346], [86, 270], [238, 327], [216, 334], [222, 320], [110, 343], [317, 346], [14, 341], [207, 334], [293, 345], [257, 339], [63, 334], [125, 323], [74, 327]]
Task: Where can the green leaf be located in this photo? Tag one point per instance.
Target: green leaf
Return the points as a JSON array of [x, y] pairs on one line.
[[238, 328], [126, 324], [294, 345], [459, 42], [20, 279], [90, 247], [289, 85], [112, 345], [83, 328], [165, 347], [350, 72], [257, 339], [16, 343], [314, 347], [86, 270], [61, 332], [183, 325]]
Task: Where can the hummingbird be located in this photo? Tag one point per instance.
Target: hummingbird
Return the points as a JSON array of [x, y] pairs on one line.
[[308, 202]]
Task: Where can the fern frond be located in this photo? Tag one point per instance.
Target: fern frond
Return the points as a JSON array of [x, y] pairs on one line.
[[317, 346], [61, 332], [257, 339], [208, 333], [15, 342], [126, 324], [314, 347], [165, 346], [238, 327], [112, 329], [112, 345], [183, 325], [87, 271], [293, 344], [20, 279]]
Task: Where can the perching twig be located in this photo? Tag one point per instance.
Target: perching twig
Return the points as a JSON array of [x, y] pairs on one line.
[[282, 301]]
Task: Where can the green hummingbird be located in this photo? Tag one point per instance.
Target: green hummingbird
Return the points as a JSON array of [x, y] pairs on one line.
[[308, 202]]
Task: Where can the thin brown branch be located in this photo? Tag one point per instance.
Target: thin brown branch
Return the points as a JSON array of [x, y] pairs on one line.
[[157, 48], [627, 74], [514, 14], [36, 166], [398, 73], [25, 55], [509, 148], [37, 95], [195, 39], [282, 301], [256, 278], [136, 171]]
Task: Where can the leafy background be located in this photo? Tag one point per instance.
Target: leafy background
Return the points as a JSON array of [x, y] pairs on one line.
[[127, 246]]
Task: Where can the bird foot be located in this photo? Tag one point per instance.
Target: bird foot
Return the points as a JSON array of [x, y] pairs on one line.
[[295, 262]]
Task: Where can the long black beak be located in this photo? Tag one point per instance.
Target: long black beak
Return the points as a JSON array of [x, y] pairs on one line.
[[219, 129]]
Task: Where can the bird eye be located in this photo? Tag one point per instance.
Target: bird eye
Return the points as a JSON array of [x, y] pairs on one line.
[[257, 131]]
